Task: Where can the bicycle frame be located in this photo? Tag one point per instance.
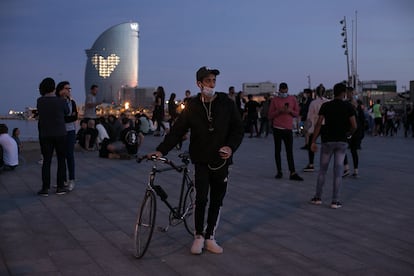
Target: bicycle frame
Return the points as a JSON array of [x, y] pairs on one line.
[[186, 183], [144, 226]]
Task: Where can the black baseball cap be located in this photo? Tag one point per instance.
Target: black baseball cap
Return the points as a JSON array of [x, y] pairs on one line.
[[283, 85], [204, 72]]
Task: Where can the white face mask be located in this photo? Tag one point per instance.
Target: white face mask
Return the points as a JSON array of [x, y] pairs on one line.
[[207, 91], [283, 95]]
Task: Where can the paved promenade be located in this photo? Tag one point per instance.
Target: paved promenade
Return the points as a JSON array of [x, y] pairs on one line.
[[267, 227]]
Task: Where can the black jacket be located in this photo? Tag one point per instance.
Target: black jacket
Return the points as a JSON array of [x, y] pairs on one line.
[[74, 116], [204, 143]]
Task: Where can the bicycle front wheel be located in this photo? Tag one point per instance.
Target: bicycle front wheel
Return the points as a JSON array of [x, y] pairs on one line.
[[188, 210], [144, 227]]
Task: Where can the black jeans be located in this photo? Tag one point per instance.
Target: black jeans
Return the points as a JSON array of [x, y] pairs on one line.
[[214, 181], [311, 154], [286, 136], [47, 146], [264, 126]]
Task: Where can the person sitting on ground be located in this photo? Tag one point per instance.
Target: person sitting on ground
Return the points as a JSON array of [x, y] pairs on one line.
[[16, 137], [91, 135], [10, 150], [142, 124], [128, 145], [80, 135], [115, 128], [102, 133]]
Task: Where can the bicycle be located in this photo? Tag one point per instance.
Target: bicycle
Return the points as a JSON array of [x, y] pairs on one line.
[[145, 223]]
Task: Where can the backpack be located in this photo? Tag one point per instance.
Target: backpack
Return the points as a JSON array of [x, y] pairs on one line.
[[131, 141]]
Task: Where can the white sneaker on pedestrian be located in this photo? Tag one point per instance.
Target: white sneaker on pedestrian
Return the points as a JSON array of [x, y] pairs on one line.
[[213, 247], [198, 245], [71, 184]]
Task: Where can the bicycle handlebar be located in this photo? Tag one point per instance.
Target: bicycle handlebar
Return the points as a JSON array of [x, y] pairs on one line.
[[161, 159]]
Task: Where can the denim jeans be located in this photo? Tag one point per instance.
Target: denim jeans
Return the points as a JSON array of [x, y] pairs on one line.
[[264, 126], [337, 149], [70, 156], [286, 136]]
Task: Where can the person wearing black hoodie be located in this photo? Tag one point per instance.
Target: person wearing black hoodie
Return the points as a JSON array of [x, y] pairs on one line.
[[216, 132]]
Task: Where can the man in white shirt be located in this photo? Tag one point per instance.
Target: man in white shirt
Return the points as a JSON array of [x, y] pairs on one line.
[[312, 118], [91, 103], [10, 149], [102, 133]]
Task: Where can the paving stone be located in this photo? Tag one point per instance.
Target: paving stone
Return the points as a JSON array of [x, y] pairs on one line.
[[267, 226]]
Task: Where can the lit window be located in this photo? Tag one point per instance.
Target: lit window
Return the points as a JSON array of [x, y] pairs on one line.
[[105, 66]]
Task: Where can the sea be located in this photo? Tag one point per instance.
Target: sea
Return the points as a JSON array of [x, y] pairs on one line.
[[28, 128]]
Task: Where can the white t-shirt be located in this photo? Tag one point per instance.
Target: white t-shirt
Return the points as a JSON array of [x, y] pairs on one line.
[[10, 150], [102, 133], [313, 112], [90, 112]]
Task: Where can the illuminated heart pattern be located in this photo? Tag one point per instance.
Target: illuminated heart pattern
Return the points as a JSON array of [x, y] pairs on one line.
[[105, 66]]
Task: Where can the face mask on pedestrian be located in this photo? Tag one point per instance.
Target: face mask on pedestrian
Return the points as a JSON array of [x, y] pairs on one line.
[[207, 91], [283, 95]]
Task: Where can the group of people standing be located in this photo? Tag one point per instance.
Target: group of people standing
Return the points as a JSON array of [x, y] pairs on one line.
[[341, 125], [57, 115], [387, 121], [217, 130], [215, 121]]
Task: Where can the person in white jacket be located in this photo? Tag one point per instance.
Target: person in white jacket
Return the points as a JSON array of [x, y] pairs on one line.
[[312, 118]]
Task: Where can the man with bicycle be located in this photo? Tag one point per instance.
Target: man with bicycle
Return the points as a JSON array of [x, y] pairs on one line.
[[216, 132]]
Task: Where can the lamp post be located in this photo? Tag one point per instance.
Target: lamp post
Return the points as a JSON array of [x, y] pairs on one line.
[[345, 46]]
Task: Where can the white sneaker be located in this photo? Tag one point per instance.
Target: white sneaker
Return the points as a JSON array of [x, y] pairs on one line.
[[213, 247], [198, 245], [71, 184]]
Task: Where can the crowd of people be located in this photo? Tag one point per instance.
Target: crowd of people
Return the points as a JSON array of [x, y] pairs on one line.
[[112, 137], [215, 124]]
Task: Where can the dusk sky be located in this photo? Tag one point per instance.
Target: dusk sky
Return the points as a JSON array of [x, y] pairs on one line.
[[248, 41]]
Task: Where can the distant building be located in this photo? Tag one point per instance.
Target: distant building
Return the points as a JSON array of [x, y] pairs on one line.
[[138, 97], [385, 90], [259, 88], [112, 62]]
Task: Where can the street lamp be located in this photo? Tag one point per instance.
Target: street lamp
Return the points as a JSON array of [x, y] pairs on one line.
[[345, 46]]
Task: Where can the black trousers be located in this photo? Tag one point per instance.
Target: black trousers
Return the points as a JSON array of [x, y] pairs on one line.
[[47, 146], [213, 182], [286, 136]]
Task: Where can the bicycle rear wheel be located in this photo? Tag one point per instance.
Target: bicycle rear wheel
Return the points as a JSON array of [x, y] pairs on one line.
[[188, 210], [144, 227]]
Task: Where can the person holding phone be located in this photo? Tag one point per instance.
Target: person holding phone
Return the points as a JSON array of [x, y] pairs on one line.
[[283, 108], [216, 132]]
